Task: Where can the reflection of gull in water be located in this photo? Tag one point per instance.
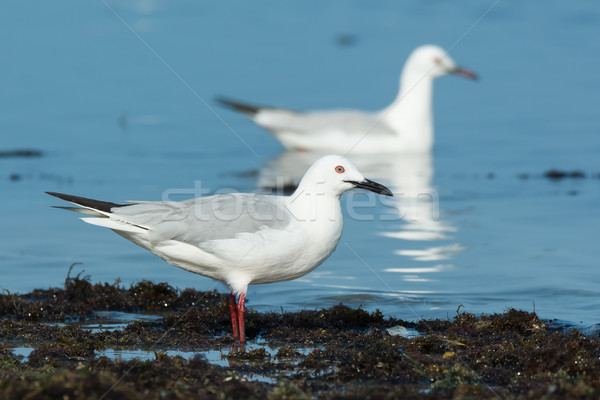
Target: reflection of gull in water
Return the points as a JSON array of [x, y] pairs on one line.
[[432, 253], [423, 270], [416, 203]]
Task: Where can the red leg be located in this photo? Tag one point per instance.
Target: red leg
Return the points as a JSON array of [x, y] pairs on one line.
[[234, 315], [241, 309]]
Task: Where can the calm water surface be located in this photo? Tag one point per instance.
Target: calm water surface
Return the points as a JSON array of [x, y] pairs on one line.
[[119, 100]]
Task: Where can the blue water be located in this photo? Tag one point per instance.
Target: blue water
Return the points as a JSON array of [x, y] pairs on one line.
[[121, 105]]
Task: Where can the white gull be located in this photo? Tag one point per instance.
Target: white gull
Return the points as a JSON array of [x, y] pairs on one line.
[[406, 125], [241, 238]]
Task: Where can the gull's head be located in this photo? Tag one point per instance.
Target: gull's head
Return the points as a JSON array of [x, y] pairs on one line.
[[335, 174], [434, 61]]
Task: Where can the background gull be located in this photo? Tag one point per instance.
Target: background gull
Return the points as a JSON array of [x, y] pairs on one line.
[[406, 125], [242, 238]]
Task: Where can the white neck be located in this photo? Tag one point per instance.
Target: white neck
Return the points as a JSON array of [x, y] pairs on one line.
[[311, 202], [411, 114], [320, 215]]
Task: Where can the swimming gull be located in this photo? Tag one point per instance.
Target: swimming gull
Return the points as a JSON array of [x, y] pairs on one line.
[[406, 125]]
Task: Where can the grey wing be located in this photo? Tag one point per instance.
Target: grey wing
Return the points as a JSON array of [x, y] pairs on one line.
[[209, 218], [350, 121], [318, 121]]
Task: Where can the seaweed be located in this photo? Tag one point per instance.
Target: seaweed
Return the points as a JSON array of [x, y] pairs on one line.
[[333, 353]]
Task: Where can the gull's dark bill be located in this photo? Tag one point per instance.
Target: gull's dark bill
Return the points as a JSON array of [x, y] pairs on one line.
[[372, 186]]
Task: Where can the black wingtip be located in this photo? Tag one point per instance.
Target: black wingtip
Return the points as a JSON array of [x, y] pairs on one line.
[[85, 202], [235, 105]]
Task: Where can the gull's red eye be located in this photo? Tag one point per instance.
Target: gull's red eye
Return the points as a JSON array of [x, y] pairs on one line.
[[339, 169]]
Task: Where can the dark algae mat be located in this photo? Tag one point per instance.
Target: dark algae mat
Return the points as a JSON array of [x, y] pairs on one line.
[[334, 353]]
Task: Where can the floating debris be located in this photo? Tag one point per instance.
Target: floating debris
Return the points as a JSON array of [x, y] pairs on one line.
[[20, 153], [346, 40], [555, 174], [402, 331], [15, 177]]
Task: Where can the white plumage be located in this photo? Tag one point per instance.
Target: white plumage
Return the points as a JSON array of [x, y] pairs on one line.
[[241, 238], [406, 125]]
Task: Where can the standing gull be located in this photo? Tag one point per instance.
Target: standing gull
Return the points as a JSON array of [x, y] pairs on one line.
[[406, 125], [240, 238]]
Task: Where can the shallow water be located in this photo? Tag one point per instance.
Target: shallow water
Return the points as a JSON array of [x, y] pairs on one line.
[[123, 116], [112, 321]]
